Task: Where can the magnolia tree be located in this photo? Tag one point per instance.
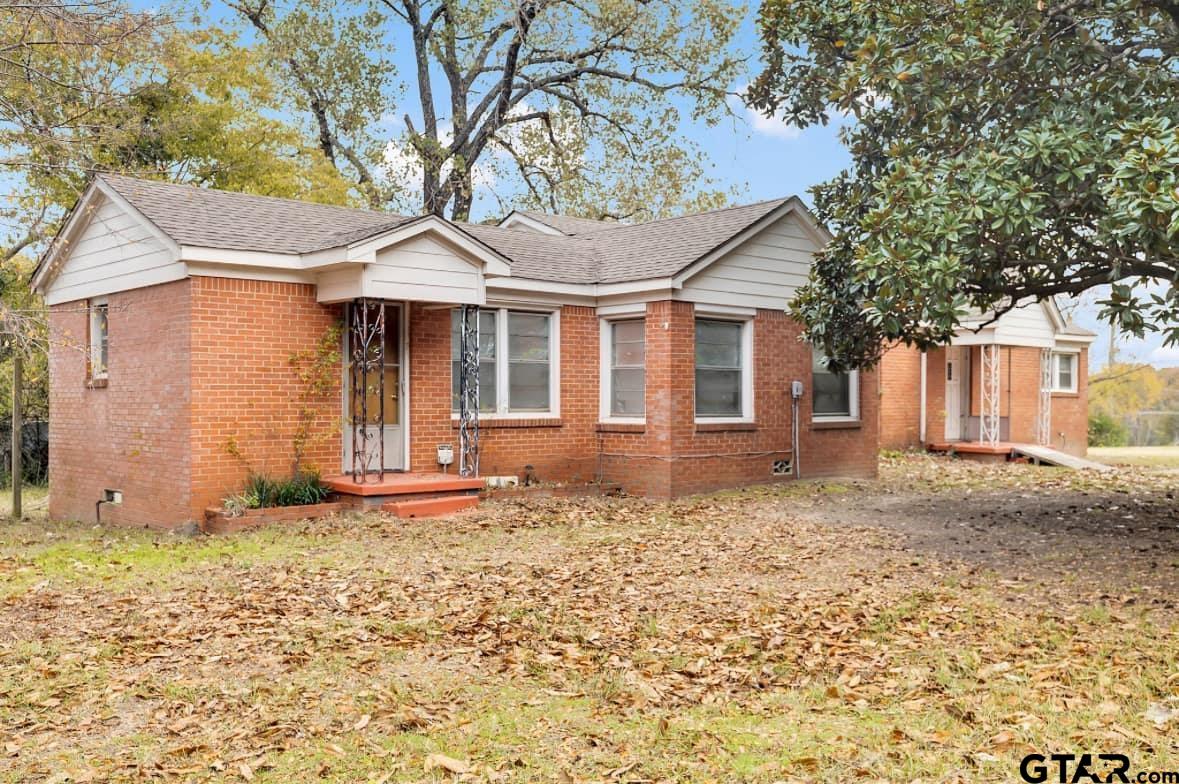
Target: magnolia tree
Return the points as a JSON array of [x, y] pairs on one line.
[[1001, 150]]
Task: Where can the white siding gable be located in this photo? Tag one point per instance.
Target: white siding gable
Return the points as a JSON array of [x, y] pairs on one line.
[[1026, 325], [426, 269], [763, 272], [114, 252]]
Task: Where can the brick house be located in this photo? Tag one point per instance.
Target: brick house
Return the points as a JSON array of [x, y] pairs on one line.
[[657, 355], [1020, 378]]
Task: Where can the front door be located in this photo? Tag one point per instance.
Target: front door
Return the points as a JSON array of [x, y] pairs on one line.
[[392, 430], [954, 369]]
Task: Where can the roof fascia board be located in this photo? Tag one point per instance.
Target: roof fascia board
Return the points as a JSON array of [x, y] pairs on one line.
[[660, 286], [254, 272], [515, 218], [241, 258], [78, 219], [1054, 314], [1065, 337], [737, 239]]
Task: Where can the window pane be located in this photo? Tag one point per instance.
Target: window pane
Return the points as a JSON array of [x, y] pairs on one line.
[[832, 394], [486, 386], [529, 386], [486, 334], [528, 336], [1064, 371], [718, 344], [718, 392], [487, 359], [392, 335], [99, 315], [627, 389], [628, 344]]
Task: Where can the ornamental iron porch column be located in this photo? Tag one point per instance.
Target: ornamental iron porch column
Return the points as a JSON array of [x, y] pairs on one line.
[[1044, 409], [468, 390], [366, 344], [989, 420]]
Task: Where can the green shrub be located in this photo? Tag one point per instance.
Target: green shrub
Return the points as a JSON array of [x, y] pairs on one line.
[[263, 491], [1104, 430]]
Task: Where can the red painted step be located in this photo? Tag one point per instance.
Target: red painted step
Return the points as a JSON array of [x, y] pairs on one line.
[[431, 507]]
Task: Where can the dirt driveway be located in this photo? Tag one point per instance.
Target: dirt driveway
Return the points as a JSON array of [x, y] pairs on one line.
[[1117, 531]]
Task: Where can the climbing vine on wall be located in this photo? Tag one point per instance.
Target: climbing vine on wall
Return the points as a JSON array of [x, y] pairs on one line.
[[318, 371]]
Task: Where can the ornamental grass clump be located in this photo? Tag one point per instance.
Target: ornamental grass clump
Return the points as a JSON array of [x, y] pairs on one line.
[[262, 491]]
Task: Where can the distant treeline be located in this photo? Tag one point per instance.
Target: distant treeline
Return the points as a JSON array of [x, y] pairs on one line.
[[1134, 405]]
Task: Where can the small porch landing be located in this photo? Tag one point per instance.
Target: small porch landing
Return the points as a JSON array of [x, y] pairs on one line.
[[1006, 450], [410, 493]]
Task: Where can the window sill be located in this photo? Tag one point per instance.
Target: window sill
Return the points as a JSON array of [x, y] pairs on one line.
[[721, 427], [493, 422], [1064, 393], [622, 427], [836, 424], [96, 383]]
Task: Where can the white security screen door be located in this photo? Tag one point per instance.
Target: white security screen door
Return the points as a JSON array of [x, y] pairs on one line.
[[393, 430], [954, 368]]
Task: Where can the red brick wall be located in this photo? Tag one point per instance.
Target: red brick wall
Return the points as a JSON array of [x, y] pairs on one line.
[[674, 456], [131, 435], [558, 449], [1070, 413], [246, 394], [900, 398], [175, 448], [668, 456]]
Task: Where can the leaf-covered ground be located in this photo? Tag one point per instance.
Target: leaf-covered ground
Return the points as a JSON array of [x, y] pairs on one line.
[[867, 631]]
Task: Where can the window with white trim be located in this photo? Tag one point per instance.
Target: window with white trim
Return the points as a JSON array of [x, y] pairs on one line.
[[834, 396], [626, 376], [517, 361], [723, 378], [1064, 372], [99, 337]]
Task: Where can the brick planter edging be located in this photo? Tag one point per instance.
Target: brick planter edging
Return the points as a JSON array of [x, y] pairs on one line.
[[218, 522]]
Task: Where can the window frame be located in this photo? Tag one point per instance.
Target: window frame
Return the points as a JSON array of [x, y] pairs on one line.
[[853, 395], [746, 415], [1074, 358], [606, 366], [95, 344], [503, 364]]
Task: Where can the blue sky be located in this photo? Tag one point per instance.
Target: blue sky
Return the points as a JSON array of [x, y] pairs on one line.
[[762, 158]]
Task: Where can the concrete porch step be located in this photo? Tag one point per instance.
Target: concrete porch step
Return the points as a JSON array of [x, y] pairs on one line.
[[431, 507]]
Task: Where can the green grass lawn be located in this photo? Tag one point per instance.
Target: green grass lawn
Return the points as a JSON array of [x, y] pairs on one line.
[[722, 638], [1155, 456], [34, 500]]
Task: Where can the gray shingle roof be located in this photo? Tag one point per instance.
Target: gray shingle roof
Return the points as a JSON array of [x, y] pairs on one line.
[[539, 256], [568, 224], [662, 248], [239, 221], [611, 253]]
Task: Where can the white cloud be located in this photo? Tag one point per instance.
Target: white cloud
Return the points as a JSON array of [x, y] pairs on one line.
[[771, 126], [402, 163], [1164, 356]]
